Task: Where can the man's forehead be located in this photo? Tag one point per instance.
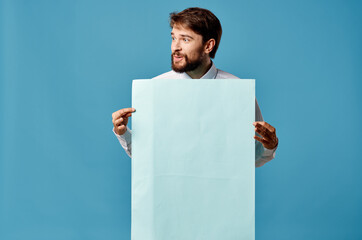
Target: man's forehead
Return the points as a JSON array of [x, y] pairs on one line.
[[180, 29]]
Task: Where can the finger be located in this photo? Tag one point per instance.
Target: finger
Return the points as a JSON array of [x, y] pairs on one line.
[[125, 111], [122, 112], [271, 130], [266, 125], [118, 122], [263, 125], [128, 115], [121, 128], [258, 123], [262, 140], [263, 132]]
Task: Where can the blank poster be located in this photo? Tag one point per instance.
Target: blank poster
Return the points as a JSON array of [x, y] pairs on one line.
[[193, 159]]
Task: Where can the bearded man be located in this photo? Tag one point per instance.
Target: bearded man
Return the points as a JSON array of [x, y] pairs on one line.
[[196, 35]]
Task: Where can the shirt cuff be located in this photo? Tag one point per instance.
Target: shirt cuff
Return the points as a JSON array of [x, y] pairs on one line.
[[269, 152], [124, 139], [268, 155]]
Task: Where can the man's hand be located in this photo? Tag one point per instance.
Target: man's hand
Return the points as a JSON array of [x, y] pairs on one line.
[[120, 120], [267, 132]]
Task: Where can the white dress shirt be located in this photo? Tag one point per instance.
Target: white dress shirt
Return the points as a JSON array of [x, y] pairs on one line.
[[262, 155]]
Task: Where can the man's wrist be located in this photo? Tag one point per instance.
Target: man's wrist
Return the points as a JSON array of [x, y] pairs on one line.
[[275, 147]]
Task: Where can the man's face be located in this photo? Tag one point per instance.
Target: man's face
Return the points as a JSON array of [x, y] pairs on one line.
[[187, 49]]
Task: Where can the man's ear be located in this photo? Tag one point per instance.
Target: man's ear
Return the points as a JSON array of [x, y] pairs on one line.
[[209, 45]]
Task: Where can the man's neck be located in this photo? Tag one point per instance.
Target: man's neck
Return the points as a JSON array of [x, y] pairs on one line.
[[201, 70]]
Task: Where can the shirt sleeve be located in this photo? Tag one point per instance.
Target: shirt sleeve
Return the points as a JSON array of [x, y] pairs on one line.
[[126, 141], [262, 154]]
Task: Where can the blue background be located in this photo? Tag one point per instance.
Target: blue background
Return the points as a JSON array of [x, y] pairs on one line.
[[65, 66]]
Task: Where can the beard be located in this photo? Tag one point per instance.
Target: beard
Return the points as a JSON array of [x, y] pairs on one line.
[[189, 65]]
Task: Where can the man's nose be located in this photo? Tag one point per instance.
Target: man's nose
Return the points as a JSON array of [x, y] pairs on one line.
[[175, 46]]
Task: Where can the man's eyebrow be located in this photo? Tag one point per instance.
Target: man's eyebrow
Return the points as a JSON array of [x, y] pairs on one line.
[[183, 35]]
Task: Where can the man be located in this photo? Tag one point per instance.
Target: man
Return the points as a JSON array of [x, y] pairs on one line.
[[196, 35]]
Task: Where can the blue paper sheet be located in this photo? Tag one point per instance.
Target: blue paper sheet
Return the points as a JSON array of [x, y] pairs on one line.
[[193, 159]]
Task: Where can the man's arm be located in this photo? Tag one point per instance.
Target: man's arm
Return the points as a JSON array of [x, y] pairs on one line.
[[262, 153], [126, 141], [120, 129]]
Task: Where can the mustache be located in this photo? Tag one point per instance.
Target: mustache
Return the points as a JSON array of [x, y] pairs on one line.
[[178, 54]]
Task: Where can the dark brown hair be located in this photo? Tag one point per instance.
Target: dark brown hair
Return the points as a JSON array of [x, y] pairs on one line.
[[201, 21]]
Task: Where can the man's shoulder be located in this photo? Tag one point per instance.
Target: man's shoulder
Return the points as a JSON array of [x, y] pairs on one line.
[[225, 75], [168, 75]]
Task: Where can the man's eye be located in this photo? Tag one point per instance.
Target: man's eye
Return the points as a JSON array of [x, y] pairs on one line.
[[186, 40], [172, 38]]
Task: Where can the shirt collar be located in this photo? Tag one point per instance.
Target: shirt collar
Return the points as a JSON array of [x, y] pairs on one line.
[[211, 74]]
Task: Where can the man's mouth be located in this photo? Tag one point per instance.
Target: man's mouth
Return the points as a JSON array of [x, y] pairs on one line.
[[177, 58]]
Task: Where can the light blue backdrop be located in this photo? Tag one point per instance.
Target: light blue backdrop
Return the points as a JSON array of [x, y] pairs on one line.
[[65, 66]]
